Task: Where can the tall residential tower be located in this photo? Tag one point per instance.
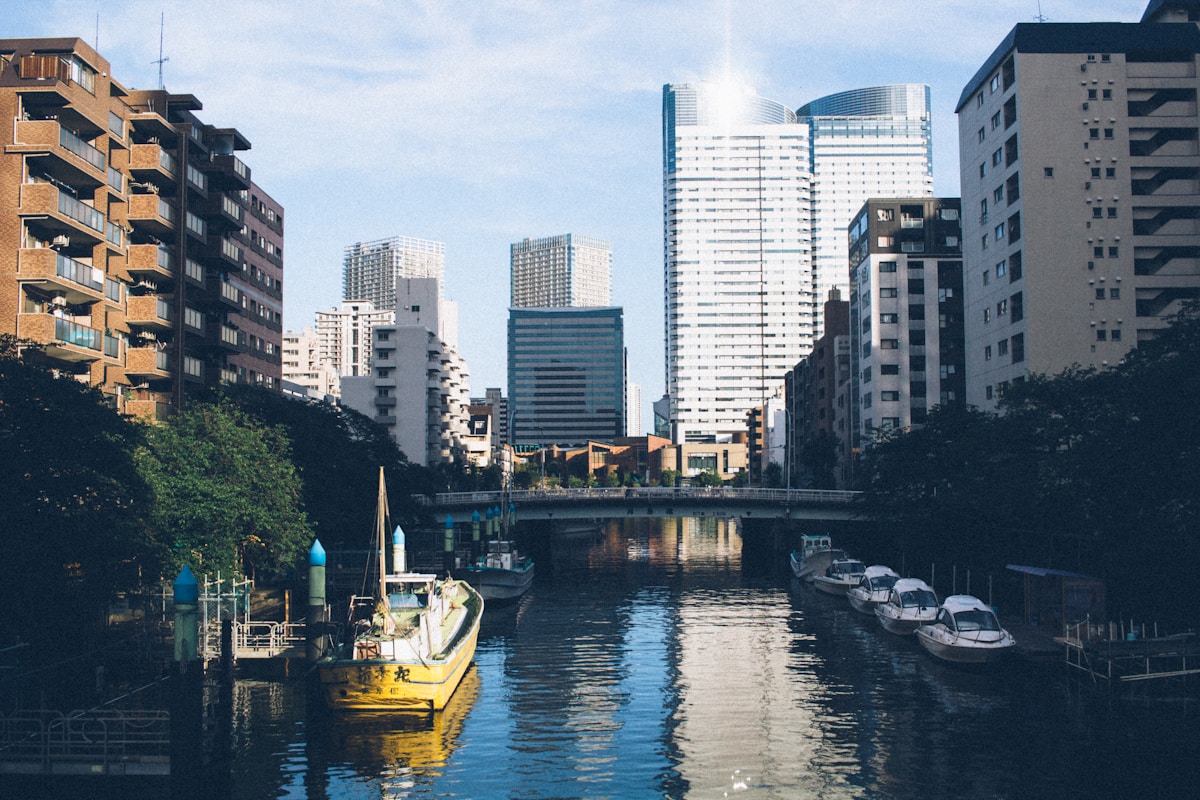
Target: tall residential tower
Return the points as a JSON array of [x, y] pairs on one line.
[[560, 272]]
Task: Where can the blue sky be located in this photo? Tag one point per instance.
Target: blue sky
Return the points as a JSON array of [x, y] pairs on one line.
[[480, 122]]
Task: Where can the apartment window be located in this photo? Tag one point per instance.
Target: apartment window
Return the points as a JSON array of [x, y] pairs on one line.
[[885, 214], [889, 369], [947, 370], [916, 265], [999, 232], [884, 241], [1108, 133], [916, 312], [1018, 348], [1114, 294], [998, 157], [916, 363], [887, 266], [1002, 308], [1105, 58], [1001, 268], [998, 194], [889, 319], [1093, 133], [979, 99], [889, 344], [1013, 188], [866, 401], [866, 375], [1014, 228], [987, 277], [981, 134], [1011, 151], [996, 120], [1101, 335], [916, 286], [1112, 212], [1010, 112], [1002, 347], [1092, 94], [994, 83], [889, 397], [1047, 172], [1096, 172], [1107, 94], [983, 242], [982, 169], [1097, 212], [1110, 172], [1098, 252], [983, 209], [988, 392], [987, 352], [1100, 294], [1114, 252], [1018, 307], [948, 213], [916, 337], [987, 315], [1115, 334], [886, 292]]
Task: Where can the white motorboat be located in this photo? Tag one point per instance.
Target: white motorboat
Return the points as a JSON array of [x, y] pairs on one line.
[[840, 576], [965, 631], [815, 555], [872, 589], [500, 574], [910, 604]]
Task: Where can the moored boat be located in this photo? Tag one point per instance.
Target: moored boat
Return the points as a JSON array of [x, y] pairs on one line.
[[411, 649], [815, 554], [965, 631], [872, 588], [839, 576], [910, 604], [502, 573]]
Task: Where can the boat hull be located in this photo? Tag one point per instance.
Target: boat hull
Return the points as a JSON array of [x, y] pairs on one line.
[[864, 603], [833, 586], [498, 585], [904, 626], [382, 684], [961, 650], [805, 567]]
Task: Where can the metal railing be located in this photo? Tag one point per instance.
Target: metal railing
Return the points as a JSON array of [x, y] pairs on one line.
[[104, 741]]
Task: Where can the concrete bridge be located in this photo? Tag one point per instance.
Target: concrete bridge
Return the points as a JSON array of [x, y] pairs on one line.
[[654, 501]]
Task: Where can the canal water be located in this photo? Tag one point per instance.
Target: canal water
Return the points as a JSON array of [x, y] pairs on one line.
[[651, 661]]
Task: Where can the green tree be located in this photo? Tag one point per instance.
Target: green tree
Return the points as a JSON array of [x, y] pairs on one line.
[[74, 506], [227, 496], [818, 458]]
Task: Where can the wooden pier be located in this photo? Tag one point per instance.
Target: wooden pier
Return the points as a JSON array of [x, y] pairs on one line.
[[1106, 653]]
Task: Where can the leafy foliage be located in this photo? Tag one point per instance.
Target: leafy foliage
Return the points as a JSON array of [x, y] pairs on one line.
[[227, 497], [74, 506]]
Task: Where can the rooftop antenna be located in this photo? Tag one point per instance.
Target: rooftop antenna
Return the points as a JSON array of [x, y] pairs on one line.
[[1040, 16], [161, 60]]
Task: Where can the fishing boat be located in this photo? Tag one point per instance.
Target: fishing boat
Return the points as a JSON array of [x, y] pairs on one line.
[[815, 554], [910, 604], [500, 574], [840, 576], [872, 588], [965, 631], [415, 641]]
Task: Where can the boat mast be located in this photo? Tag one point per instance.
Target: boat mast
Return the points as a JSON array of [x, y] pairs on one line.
[[381, 519]]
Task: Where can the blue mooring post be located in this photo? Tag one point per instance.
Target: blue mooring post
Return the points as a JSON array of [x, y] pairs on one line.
[[187, 691], [475, 536], [318, 611], [448, 552]]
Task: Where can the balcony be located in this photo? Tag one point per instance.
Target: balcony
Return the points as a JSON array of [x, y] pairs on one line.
[[148, 408], [152, 260], [152, 213], [61, 338], [60, 153], [53, 272], [150, 311], [147, 363], [229, 172], [151, 164], [223, 213], [61, 214]]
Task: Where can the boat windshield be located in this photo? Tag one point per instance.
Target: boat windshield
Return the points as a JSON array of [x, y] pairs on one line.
[[918, 599], [882, 582], [847, 568], [976, 620]]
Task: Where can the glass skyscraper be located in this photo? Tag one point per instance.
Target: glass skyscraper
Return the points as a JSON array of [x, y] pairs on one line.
[[754, 196]]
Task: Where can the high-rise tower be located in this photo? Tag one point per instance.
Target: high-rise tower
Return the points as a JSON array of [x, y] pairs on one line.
[[561, 271], [370, 270]]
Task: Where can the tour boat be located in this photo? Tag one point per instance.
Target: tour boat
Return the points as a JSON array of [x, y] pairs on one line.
[[411, 648], [839, 576], [965, 631], [815, 555], [872, 589], [500, 574], [910, 604]]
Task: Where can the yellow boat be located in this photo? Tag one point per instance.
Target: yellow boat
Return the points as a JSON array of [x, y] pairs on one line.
[[411, 652]]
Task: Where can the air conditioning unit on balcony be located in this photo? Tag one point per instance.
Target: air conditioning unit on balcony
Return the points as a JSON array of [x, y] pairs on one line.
[[60, 241], [59, 301]]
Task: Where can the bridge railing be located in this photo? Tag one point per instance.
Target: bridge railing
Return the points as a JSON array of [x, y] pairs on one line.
[[781, 497]]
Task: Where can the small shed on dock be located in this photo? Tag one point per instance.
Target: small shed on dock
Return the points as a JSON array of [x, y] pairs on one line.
[[1054, 597]]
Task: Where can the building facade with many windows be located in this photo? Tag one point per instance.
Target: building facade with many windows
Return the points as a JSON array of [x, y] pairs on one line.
[[371, 270], [566, 375], [561, 271], [134, 249], [1080, 171]]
